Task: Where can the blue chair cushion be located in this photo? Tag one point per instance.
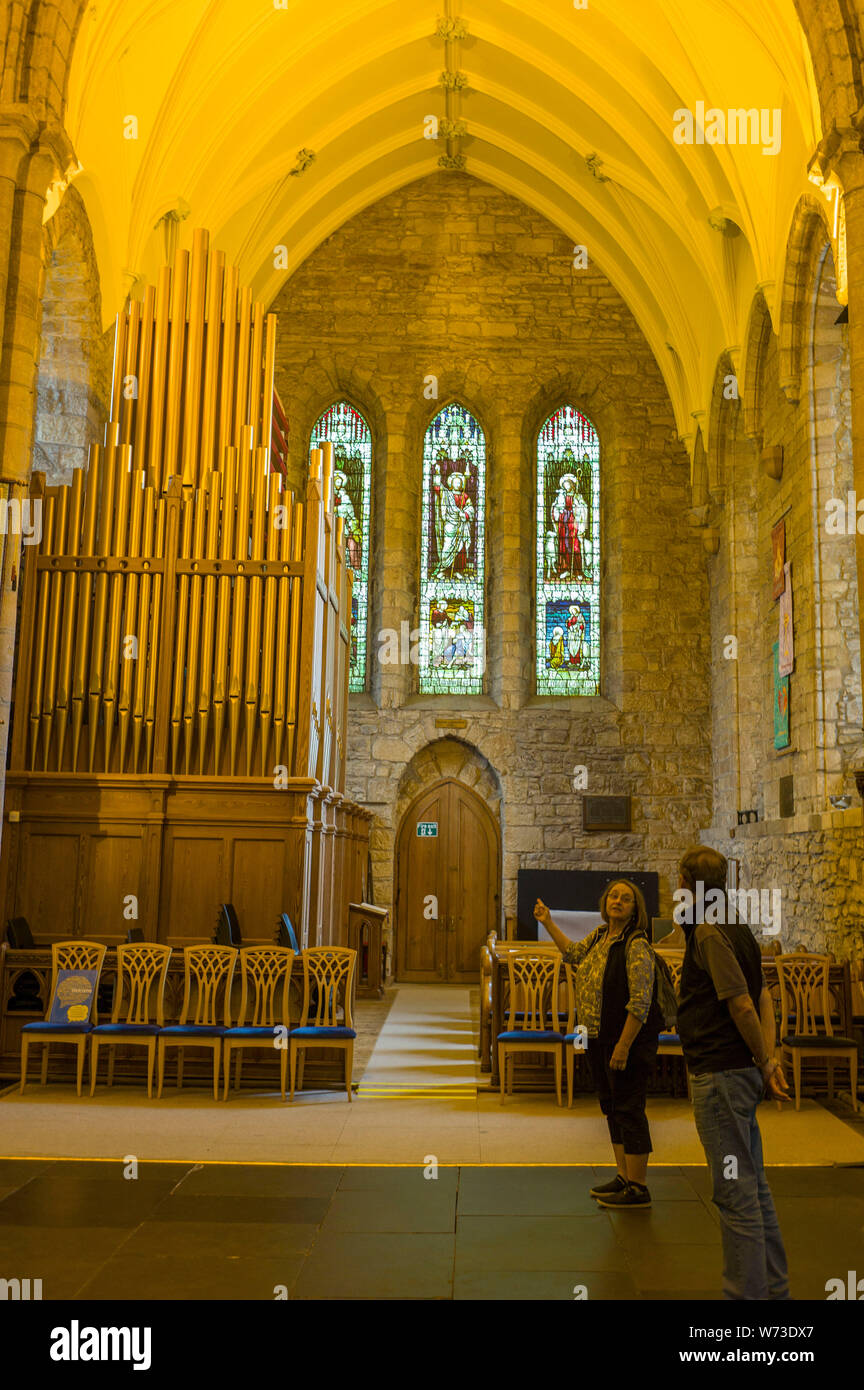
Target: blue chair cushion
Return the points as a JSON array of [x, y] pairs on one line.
[[808, 1040], [129, 1030], [546, 1035], [312, 1032], [57, 1028], [571, 1037], [252, 1031], [193, 1030], [670, 1039]]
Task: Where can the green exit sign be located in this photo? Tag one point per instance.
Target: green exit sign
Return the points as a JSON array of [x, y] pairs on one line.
[[427, 828]]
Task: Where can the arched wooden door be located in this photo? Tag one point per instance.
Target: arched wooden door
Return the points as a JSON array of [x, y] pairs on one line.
[[448, 876]]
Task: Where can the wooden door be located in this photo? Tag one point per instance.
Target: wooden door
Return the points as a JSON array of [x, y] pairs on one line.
[[454, 869]]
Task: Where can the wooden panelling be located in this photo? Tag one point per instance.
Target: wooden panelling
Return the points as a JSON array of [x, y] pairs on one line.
[[196, 844], [193, 886], [48, 882], [113, 866], [255, 885]]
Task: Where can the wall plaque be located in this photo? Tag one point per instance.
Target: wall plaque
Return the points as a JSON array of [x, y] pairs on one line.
[[606, 813]]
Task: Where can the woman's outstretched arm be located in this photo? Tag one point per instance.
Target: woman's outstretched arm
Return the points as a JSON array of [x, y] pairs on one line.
[[573, 950]]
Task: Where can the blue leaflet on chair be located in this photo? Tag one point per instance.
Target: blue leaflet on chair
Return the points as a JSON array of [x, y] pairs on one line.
[[73, 996]]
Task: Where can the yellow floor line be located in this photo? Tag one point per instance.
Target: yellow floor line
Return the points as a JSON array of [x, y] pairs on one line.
[[358, 1163]]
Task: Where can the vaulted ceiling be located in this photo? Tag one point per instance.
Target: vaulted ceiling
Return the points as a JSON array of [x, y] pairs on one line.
[[227, 93]]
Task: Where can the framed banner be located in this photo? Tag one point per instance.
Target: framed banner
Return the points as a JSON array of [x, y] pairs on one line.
[[778, 558], [781, 703], [786, 635]]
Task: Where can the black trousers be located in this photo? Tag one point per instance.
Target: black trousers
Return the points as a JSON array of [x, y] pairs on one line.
[[622, 1094]]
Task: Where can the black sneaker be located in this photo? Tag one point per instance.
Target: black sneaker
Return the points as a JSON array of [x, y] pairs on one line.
[[602, 1189], [633, 1195]]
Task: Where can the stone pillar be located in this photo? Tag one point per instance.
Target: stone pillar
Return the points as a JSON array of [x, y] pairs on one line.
[[47, 162], [510, 580], [392, 683], [18, 133], [31, 159], [843, 151]]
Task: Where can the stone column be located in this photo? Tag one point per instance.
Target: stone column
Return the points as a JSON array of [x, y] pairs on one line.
[[30, 161], [393, 681], [48, 161], [18, 133], [843, 151], [510, 560]]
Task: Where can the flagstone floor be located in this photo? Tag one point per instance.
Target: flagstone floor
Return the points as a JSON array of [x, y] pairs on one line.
[[240, 1232], [425, 1186]]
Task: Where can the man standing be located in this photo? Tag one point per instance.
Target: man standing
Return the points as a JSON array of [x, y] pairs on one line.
[[726, 1025]]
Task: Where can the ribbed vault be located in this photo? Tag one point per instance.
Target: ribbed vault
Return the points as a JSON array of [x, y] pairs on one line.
[[226, 94]]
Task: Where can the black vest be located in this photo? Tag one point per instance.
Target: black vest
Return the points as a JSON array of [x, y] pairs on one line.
[[710, 1040], [616, 995]]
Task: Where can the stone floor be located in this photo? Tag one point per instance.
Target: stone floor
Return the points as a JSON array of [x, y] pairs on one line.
[[419, 1091], [231, 1231]]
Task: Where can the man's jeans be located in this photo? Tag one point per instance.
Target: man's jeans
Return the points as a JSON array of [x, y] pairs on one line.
[[754, 1261]]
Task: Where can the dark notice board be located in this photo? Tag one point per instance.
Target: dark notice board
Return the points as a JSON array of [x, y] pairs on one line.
[[573, 890]]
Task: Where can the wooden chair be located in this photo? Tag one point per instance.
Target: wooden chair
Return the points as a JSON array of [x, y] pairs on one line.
[[142, 969], [805, 1002], [65, 955], [208, 972], [534, 984], [266, 976], [669, 1044], [328, 984], [571, 1036], [486, 964]]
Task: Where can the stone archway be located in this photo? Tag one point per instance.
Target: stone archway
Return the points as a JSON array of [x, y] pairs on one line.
[[448, 877], [444, 758], [447, 888]]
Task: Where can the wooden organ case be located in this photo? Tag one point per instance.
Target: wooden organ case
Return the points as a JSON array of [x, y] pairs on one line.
[[181, 690]]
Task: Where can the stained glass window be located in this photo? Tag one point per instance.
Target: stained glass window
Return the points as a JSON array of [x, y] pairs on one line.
[[452, 646], [568, 555], [349, 434]]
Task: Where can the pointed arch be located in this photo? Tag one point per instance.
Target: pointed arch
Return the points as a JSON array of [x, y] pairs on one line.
[[809, 234], [567, 544], [759, 330], [452, 628], [348, 430]]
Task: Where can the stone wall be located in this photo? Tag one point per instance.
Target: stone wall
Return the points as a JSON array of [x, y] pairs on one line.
[[75, 361], [812, 857], [451, 277], [816, 863]]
